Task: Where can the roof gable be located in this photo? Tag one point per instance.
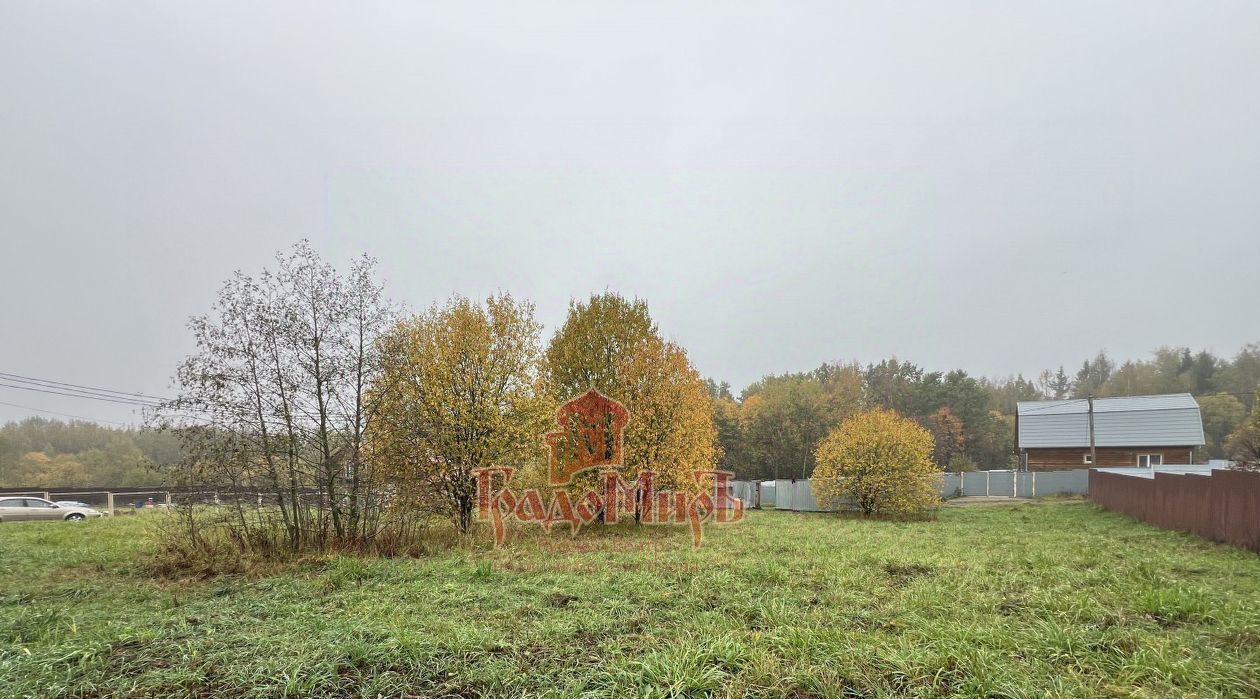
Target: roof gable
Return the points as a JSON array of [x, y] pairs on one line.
[[1122, 421], [1165, 401]]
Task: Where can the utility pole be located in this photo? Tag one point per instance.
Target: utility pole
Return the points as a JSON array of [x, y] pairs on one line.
[[1093, 451]]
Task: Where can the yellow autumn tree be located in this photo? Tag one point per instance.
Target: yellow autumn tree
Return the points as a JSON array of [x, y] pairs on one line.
[[610, 344], [880, 461], [671, 430], [460, 390]]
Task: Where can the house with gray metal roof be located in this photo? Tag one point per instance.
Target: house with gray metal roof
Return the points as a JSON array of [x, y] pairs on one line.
[[1137, 431]]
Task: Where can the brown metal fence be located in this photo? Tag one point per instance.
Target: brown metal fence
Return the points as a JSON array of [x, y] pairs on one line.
[[1223, 506]]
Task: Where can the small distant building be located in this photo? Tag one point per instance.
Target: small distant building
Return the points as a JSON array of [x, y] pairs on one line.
[[1138, 431]]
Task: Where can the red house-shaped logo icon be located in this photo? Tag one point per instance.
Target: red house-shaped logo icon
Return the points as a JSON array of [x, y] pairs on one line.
[[590, 435]]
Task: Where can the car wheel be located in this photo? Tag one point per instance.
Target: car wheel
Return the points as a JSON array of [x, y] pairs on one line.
[[76, 517]]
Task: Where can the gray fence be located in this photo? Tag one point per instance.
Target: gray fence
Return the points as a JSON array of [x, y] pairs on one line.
[[1075, 482], [746, 491], [1016, 484], [108, 501], [977, 483], [796, 495], [754, 493]]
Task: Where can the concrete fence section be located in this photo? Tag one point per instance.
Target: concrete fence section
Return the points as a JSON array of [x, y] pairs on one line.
[[1216, 504]]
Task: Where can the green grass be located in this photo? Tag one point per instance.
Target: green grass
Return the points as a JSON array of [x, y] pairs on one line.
[[1046, 599]]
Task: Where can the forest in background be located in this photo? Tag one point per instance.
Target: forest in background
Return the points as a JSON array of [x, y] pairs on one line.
[[772, 427], [769, 429], [43, 453]]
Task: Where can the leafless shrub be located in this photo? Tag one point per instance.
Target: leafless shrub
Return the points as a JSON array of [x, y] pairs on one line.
[[273, 410]]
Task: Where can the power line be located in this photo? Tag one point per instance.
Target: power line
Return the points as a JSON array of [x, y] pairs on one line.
[[71, 390], [89, 396], [77, 387], [81, 417], [53, 412]]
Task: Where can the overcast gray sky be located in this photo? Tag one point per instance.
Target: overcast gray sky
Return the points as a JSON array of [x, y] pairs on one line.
[[1001, 186]]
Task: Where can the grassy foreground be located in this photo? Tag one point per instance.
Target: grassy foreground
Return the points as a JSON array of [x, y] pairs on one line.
[[1045, 599]]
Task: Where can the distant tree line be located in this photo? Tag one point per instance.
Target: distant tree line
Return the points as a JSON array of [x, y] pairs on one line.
[[773, 427], [43, 453]]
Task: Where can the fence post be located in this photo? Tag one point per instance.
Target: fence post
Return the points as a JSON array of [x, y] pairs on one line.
[[109, 503], [986, 484], [168, 498], [1034, 484], [47, 495]]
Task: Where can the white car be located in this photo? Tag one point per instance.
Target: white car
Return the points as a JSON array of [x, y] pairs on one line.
[[24, 509]]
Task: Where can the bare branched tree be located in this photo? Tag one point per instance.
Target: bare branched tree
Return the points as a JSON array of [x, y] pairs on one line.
[[274, 405]]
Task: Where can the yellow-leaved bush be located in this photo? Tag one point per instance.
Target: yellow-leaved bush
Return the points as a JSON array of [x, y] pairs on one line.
[[879, 461], [611, 344]]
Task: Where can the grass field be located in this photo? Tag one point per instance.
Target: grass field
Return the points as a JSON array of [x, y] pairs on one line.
[[1045, 599]]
